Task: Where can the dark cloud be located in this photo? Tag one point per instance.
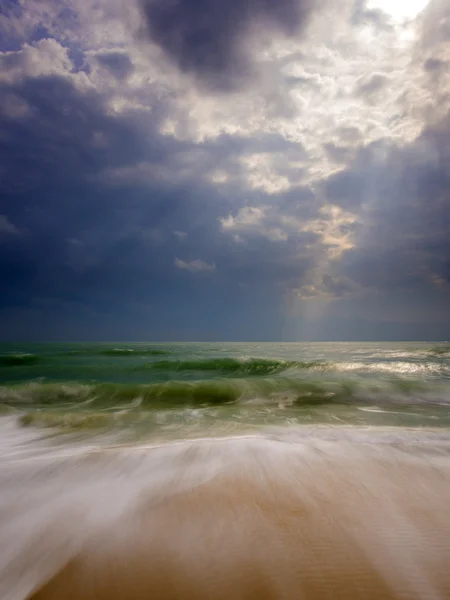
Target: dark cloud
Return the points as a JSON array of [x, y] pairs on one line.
[[51, 159], [62, 135], [210, 38], [349, 135], [346, 188], [338, 286], [85, 242], [433, 65], [365, 179], [117, 63], [436, 23], [369, 86], [83, 246], [403, 199], [67, 137], [338, 154]]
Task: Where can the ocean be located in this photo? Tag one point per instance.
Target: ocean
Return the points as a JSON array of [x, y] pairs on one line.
[[149, 390], [199, 470]]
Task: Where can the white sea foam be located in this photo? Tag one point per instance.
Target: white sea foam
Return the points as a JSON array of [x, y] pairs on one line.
[[291, 513]]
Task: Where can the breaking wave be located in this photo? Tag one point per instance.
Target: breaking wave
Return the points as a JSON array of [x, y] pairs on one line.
[[174, 393], [288, 390], [440, 350], [250, 366]]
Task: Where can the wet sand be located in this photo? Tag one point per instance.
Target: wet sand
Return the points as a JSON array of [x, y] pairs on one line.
[[282, 516]]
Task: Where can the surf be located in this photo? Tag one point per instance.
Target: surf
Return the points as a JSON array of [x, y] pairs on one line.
[[286, 514]]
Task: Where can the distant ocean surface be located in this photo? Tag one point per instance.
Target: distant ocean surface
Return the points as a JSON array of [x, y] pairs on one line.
[[148, 390]]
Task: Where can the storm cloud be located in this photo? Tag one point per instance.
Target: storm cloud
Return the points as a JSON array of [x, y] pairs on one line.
[[212, 39]]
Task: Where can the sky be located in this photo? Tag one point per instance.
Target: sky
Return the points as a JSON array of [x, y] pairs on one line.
[[274, 170]]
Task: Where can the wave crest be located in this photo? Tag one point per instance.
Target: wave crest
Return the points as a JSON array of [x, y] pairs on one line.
[[250, 366]]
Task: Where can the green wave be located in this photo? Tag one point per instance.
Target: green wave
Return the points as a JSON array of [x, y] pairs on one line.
[[440, 350], [272, 390], [251, 366], [74, 405], [173, 393], [18, 360]]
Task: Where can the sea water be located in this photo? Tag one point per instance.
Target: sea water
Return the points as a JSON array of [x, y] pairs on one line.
[[234, 470]]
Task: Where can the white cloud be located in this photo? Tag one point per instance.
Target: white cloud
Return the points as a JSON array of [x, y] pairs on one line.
[[261, 173], [42, 58], [401, 10], [253, 220], [194, 266], [308, 91], [81, 22], [334, 229], [312, 90], [246, 218], [305, 91]]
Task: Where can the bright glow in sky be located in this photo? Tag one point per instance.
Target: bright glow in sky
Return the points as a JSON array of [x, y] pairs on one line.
[[400, 10]]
